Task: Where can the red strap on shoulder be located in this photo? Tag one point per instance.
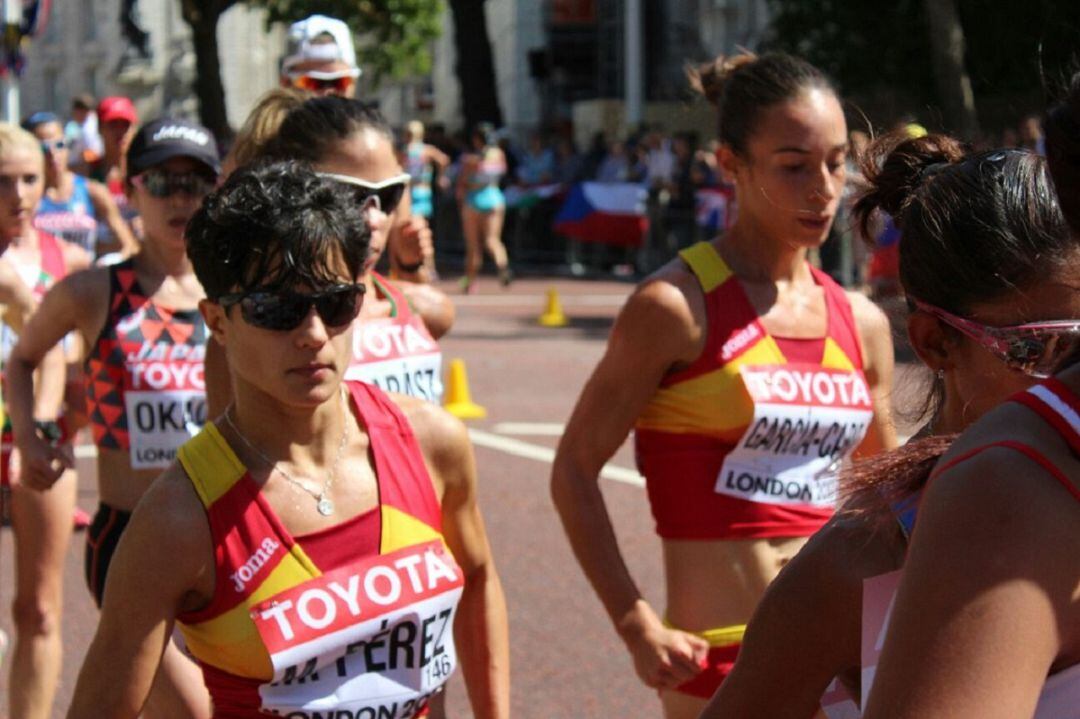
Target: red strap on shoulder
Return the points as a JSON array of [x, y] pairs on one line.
[[1051, 415], [1028, 451], [52, 256], [842, 326], [401, 303]]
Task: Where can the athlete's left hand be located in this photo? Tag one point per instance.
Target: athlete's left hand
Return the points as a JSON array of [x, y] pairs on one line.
[[413, 242], [40, 464]]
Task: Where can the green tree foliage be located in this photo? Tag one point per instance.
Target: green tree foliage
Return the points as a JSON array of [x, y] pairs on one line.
[[395, 35], [1016, 52]]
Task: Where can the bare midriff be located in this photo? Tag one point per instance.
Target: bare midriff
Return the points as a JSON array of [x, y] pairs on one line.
[[714, 584], [119, 485]]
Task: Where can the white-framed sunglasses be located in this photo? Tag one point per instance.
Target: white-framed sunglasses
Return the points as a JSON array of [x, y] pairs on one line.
[[384, 195]]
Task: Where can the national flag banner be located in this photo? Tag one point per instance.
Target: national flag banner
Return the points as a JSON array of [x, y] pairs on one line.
[[611, 213], [715, 208]]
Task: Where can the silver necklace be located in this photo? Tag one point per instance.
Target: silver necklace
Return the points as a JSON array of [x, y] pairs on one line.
[[323, 503]]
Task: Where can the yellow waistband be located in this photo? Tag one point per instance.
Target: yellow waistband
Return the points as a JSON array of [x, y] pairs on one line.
[[719, 637]]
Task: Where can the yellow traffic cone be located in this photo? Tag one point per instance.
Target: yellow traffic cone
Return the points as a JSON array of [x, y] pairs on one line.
[[458, 398], [553, 313]]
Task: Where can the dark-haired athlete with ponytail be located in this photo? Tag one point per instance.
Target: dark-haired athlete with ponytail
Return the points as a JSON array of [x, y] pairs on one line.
[[711, 362], [986, 622], [990, 272]]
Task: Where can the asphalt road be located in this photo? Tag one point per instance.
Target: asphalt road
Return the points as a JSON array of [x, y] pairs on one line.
[[566, 660]]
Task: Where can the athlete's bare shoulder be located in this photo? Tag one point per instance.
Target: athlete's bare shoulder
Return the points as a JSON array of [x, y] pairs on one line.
[[869, 318], [441, 435]]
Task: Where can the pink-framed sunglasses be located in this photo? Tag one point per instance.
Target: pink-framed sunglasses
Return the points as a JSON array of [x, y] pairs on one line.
[[1036, 348]]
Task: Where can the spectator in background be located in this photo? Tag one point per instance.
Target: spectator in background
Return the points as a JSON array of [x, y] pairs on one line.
[[568, 163], [1031, 135], [81, 132], [598, 150], [659, 159], [616, 166], [537, 163], [319, 57]]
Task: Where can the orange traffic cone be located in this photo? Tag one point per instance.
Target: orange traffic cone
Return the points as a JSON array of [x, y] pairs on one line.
[[553, 313], [458, 398]]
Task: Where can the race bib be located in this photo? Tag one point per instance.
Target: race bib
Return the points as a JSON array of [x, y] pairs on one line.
[[375, 638], [397, 357], [807, 419], [165, 401]]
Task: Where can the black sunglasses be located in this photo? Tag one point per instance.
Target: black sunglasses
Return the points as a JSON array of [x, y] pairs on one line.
[[337, 306], [166, 184], [385, 194]]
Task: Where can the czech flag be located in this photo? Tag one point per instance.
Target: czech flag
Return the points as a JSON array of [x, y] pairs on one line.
[[612, 213]]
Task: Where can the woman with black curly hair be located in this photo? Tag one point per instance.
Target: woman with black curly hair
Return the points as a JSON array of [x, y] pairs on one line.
[[325, 548], [145, 393]]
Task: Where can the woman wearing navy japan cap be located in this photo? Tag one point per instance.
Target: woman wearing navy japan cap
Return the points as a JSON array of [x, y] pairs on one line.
[[145, 337]]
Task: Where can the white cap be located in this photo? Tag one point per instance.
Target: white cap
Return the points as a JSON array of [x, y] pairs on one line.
[[302, 45]]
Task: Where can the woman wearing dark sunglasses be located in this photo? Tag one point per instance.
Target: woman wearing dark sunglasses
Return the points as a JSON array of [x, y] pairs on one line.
[[325, 545], [395, 342], [991, 274], [145, 342], [73, 206], [986, 621]]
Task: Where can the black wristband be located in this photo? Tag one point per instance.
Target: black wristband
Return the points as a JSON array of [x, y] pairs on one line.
[[49, 430]]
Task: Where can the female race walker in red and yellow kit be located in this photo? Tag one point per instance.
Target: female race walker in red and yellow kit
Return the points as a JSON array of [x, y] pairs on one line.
[[325, 550], [747, 376]]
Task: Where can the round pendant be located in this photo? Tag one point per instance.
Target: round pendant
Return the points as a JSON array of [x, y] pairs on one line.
[[325, 507]]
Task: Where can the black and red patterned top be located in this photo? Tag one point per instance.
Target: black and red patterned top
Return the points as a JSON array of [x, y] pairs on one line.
[[144, 374]]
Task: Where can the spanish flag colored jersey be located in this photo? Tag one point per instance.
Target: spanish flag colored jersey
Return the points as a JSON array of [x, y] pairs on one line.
[[295, 629], [744, 443]]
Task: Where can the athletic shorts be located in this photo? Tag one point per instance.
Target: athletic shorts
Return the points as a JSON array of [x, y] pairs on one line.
[[724, 646], [101, 539], [486, 199]]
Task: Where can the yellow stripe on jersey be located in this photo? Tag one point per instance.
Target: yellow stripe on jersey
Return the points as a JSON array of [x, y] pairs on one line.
[[230, 640], [210, 464], [715, 404], [706, 263], [835, 357], [403, 530]]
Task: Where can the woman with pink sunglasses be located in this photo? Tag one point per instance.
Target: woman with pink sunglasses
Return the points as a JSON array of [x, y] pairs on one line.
[[990, 271], [986, 621]]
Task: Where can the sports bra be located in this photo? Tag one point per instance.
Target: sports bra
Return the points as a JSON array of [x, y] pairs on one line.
[[72, 220], [145, 388], [744, 443], [396, 353], [489, 170], [289, 635], [1059, 407]]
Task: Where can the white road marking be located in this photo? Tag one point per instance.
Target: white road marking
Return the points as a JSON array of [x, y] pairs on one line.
[[538, 300], [544, 454], [536, 429]]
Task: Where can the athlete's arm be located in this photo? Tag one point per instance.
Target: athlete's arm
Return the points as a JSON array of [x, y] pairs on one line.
[[432, 304], [79, 302], [656, 330], [437, 156], [875, 334], [143, 596], [988, 597], [105, 208], [806, 629], [409, 244], [481, 629]]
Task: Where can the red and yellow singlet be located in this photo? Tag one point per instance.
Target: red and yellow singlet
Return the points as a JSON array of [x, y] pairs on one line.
[[297, 629], [396, 353], [744, 443]]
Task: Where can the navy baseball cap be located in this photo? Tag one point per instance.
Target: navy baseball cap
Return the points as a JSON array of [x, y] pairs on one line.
[[168, 137]]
